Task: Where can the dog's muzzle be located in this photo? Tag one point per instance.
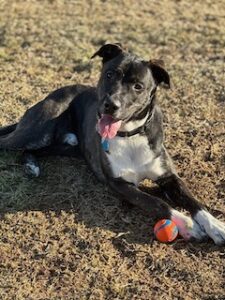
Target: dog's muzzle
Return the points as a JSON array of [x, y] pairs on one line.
[[110, 105]]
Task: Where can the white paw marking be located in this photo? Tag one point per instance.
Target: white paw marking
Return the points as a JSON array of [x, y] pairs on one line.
[[32, 169], [187, 227], [71, 139], [214, 228]]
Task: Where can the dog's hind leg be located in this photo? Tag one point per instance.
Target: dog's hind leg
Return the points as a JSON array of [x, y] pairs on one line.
[[64, 150], [68, 147], [30, 164], [40, 126], [30, 158], [70, 139], [7, 129]]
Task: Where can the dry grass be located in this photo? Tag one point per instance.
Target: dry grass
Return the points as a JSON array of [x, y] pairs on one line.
[[65, 236]]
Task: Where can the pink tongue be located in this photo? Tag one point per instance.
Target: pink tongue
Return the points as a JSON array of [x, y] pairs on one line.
[[108, 127]]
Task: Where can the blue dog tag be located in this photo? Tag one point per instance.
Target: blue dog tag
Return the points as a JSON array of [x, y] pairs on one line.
[[105, 145]]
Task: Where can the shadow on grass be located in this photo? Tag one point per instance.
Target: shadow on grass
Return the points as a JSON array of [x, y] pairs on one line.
[[67, 185]]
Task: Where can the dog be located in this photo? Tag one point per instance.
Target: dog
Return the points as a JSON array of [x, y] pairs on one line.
[[117, 127]]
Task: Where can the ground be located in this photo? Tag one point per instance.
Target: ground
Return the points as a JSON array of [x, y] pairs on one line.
[[66, 236]]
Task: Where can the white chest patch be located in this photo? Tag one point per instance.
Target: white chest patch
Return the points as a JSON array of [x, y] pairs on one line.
[[132, 159]]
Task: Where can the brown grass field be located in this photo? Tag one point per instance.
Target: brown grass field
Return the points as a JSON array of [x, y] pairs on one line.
[[66, 236]]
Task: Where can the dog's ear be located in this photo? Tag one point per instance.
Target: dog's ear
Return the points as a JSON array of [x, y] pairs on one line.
[[108, 51], [159, 73]]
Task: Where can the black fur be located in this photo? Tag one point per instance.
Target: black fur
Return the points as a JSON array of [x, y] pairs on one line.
[[129, 84]]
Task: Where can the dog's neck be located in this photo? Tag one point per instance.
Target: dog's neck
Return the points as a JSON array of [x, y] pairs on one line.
[[133, 124], [139, 123], [136, 126]]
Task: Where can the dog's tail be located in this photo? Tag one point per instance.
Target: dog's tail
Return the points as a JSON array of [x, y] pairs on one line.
[[7, 129]]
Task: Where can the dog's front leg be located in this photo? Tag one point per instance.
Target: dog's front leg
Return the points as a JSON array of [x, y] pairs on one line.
[[188, 228], [175, 189], [133, 195]]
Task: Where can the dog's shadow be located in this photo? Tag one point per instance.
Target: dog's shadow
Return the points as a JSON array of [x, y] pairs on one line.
[[67, 185]]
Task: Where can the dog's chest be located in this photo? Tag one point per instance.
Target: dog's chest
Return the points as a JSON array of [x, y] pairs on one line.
[[130, 157]]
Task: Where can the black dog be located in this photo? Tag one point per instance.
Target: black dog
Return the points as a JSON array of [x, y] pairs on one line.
[[117, 127]]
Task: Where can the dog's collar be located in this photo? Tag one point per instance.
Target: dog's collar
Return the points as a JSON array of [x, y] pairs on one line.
[[138, 130]]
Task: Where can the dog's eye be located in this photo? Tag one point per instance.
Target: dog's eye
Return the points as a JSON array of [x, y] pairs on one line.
[[109, 74], [138, 86]]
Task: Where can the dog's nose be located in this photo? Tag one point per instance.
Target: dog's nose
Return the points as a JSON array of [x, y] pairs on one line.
[[111, 106]]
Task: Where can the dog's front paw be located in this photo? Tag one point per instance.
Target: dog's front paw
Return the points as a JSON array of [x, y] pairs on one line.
[[188, 228], [214, 228]]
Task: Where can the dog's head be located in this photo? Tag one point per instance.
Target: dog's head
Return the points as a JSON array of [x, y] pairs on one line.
[[127, 83]]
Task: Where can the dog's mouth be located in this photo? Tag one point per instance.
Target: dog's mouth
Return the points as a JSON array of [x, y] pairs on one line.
[[107, 126]]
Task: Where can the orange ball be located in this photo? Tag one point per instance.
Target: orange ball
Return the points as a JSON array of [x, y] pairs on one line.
[[165, 231]]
